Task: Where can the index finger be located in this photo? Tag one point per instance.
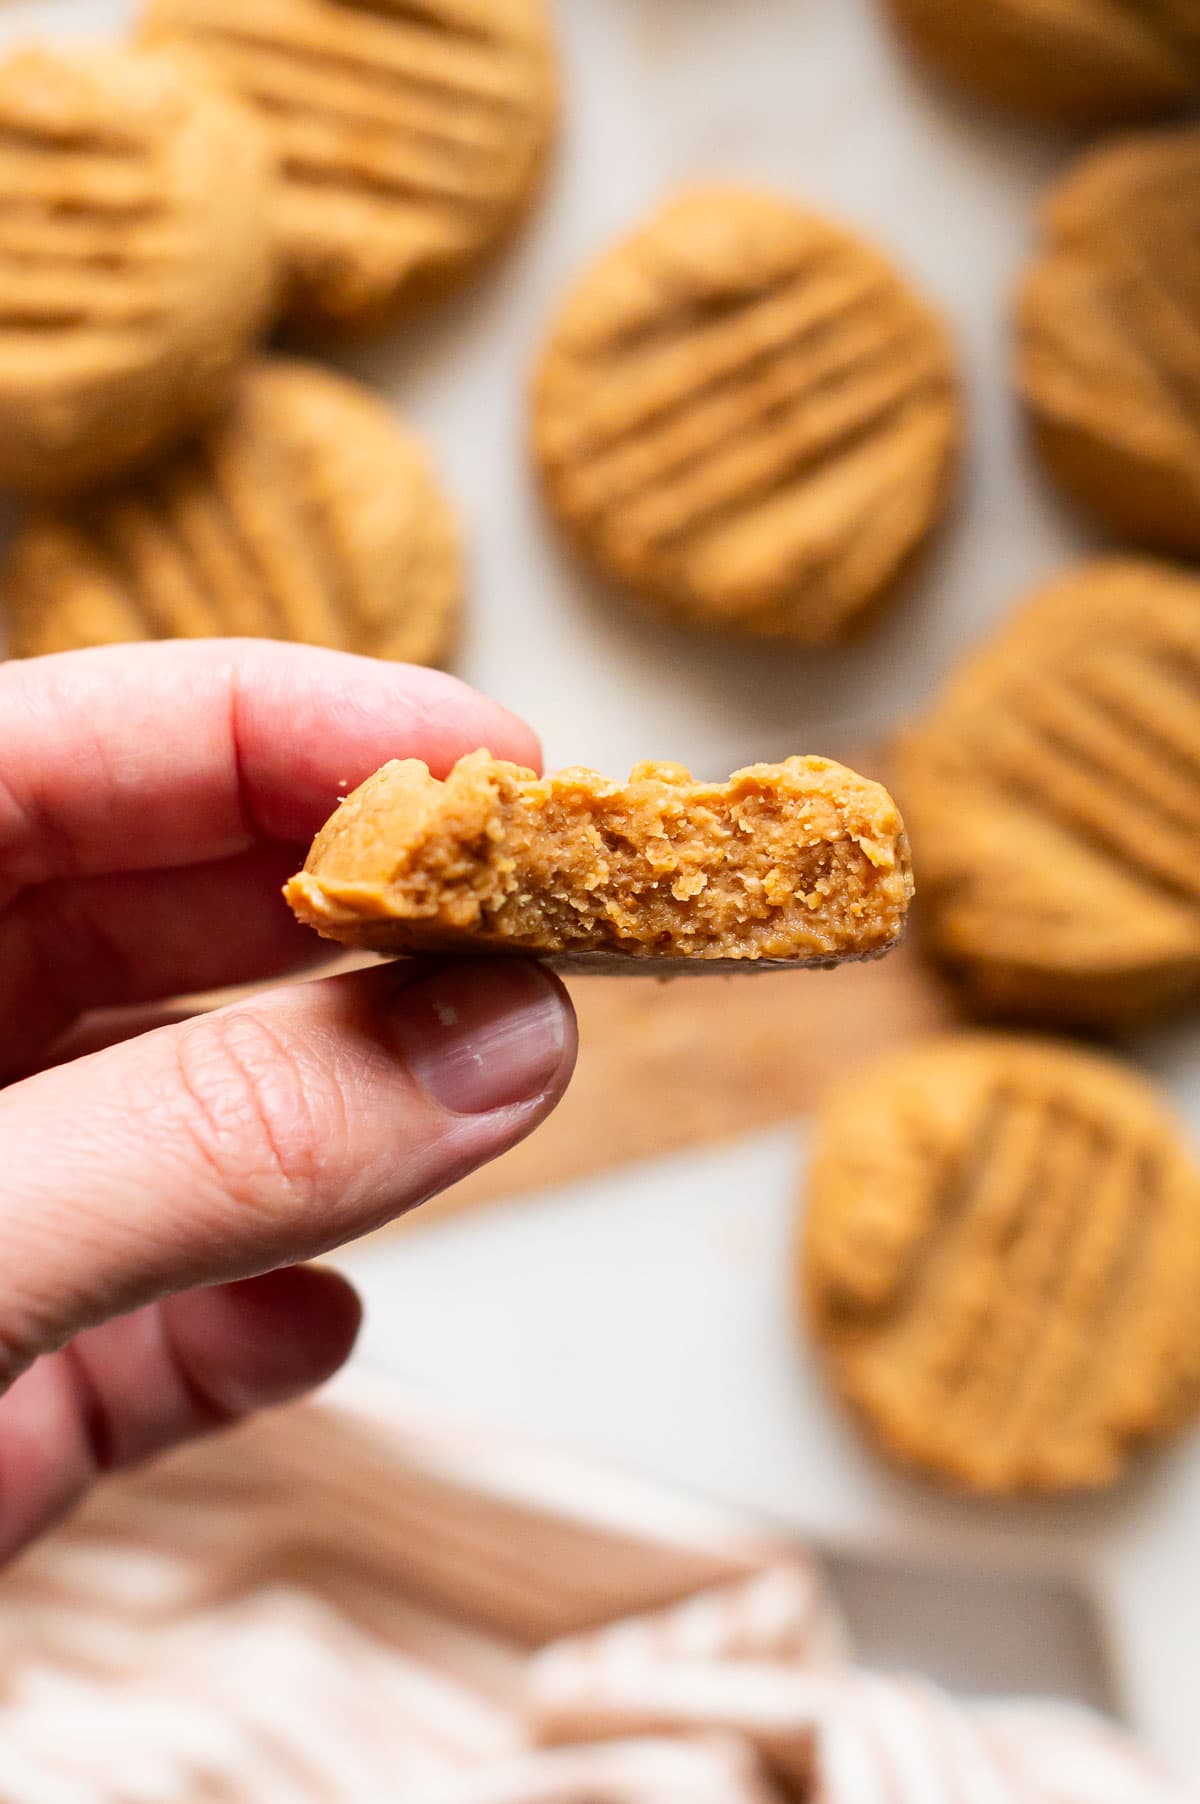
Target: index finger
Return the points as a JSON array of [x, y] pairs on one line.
[[136, 757]]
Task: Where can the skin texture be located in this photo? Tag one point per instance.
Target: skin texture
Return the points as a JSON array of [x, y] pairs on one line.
[[158, 1194], [728, 399], [306, 511], [139, 260]]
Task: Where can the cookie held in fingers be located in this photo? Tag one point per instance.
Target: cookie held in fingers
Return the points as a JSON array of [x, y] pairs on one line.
[[745, 415], [797, 863], [410, 134], [1074, 62], [1108, 338], [1052, 792], [1001, 1262], [137, 265], [305, 511]]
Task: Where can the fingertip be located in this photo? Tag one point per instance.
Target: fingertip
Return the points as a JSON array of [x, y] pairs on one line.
[[262, 1341], [481, 1036], [445, 701], [315, 724], [450, 718]]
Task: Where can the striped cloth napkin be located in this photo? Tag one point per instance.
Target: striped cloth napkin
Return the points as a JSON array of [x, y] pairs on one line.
[[362, 1602]]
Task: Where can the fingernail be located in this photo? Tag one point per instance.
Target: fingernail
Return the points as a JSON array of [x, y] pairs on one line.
[[484, 1036]]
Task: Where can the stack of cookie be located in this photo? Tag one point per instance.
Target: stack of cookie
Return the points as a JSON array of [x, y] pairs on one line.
[[165, 205]]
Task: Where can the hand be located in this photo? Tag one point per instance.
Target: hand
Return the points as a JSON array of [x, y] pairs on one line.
[[152, 801]]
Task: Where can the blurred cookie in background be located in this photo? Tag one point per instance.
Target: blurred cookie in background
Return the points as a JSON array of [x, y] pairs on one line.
[[136, 259], [1001, 1260], [1108, 338], [304, 512], [1077, 62], [410, 138], [745, 415], [1052, 794]]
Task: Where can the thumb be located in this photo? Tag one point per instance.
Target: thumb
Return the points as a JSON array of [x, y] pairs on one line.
[[261, 1135]]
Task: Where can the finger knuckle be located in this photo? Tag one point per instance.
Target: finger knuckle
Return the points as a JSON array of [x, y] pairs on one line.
[[253, 1110]]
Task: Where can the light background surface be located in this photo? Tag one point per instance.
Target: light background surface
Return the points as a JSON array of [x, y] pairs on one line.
[[646, 1317]]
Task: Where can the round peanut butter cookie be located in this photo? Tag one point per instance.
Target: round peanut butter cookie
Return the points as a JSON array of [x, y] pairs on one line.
[[1081, 62], [304, 512], [1001, 1262], [799, 863], [744, 414], [410, 133], [136, 264], [1053, 796], [1108, 354]]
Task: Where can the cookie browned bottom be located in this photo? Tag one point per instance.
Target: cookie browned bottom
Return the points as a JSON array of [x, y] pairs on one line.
[[1108, 338], [410, 138], [1001, 1262], [1079, 62], [743, 414], [138, 260], [795, 863], [306, 511], [1052, 792]]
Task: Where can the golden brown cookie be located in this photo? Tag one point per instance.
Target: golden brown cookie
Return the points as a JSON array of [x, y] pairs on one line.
[[410, 133], [1053, 796], [136, 263], [304, 512], [745, 414], [1002, 1259], [1108, 354], [797, 863], [1081, 62]]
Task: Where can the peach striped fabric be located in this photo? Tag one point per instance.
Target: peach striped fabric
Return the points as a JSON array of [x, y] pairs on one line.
[[363, 1603]]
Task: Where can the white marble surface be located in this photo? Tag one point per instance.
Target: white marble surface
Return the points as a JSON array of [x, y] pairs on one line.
[[646, 1317]]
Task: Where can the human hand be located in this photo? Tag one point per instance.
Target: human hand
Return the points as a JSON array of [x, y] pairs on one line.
[[156, 1195]]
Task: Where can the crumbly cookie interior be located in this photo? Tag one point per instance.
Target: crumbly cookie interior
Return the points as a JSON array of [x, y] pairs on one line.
[[803, 860]]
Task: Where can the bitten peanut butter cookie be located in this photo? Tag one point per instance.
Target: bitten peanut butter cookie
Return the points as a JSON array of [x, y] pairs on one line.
[[1082, 62], [304, 512], [136, 264], [410, 133], [795, 863], [1108, 354], [745, 414], [1053, 797], [1002, 1259]]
